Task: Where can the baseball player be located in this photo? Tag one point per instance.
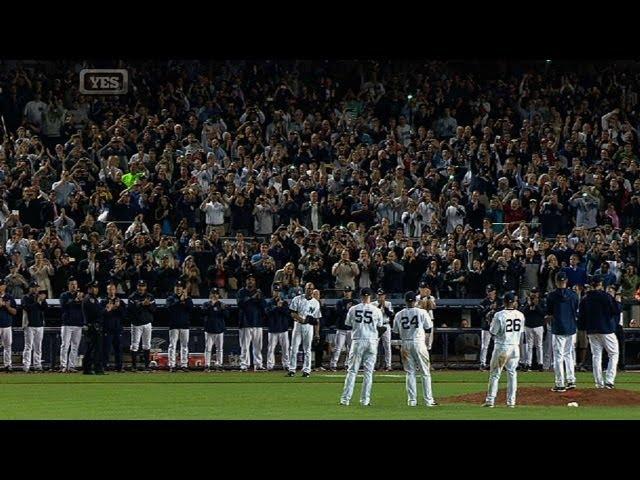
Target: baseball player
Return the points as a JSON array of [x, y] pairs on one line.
[[180, 306], [534, 314], [427, 302], [599, 314], [7, 312], [411, 323], [562, 308], [215, 315], [305, 311], [343, 331], [72, 323], [506, 327], [488, 307], [250, 311], [367, 324], [387, 315], [92, 313], [34, 306], [113, 314], [141, 308], [278, 320]]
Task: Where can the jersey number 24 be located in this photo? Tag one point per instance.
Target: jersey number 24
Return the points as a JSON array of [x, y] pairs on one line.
[[406, 323]]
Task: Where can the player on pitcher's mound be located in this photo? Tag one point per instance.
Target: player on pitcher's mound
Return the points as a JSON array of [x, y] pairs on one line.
[[506, 327]]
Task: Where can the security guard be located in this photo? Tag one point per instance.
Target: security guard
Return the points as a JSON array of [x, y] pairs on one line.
[[92, 313], [113, 313], [215, 315], [141, 308], [34, 307]]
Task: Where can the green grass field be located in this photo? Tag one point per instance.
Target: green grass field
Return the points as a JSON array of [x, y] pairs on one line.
[[265, 396]]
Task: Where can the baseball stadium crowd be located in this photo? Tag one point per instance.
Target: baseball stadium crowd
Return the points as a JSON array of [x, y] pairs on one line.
[[343, 174]]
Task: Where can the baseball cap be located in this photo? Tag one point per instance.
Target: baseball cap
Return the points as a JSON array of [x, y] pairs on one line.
[[215, 290], [410, 296], [142, 283], [33, 283], [180, 283], [366, 292], [490, 288], [510, 296], [276, 287], [380, 291], [535, 290], [348, 289], [561, 277], [423, 284]]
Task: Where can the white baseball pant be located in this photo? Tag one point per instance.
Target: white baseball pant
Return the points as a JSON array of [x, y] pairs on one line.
[[608, 342], [485, 340], [71, 337], [563, 359], [6, 336], [507, 357], [274, 339], [365, 352], [415, 356], [212, 339], [301, 334], [250, 337], [342, 340], [385, 339], [548, 351], [534, 339], [141, 332], [32, 344], [181, 334], [428, 339]]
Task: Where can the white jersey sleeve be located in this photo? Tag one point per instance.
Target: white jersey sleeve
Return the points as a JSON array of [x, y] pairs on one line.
[[350, 314], [295, 302]]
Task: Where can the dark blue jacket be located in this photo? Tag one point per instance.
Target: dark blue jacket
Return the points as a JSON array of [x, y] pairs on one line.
[[179, 312], [112, 321], [250, 309], [562, 304], [533, 314], [34, 310], [342, 308], [278, 318], [599, 312], [71, 310], [6, 320], [575, 277], [214, 317]]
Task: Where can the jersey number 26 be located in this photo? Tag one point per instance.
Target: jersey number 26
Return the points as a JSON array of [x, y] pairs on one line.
[[513, 325]]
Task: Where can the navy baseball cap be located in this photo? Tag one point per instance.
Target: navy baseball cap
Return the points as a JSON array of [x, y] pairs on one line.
[[216, 291], [277, 287], [380, 291], [561, 277], [366, 292], [93, 284], [33, 284], [423, 284], [142, 283], [410, 296], [535, 290], [180, 283], [490, 288], [510, 297]]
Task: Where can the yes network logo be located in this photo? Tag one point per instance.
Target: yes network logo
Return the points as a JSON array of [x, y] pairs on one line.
[[101, 81]]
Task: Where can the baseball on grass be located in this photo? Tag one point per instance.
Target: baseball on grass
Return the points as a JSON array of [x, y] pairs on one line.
[[572, 404]]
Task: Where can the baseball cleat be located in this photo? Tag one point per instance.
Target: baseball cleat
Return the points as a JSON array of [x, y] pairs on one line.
[[558, 389], [599, 386], [527, 368], [483, 367], [412, 404], [511, 405], [571, 386], [207, 370], [72, 370], [432, 404], [291, 373], [388, 369], [332, 369], [306, 374], [344, 403], [172, 370], [609, 386], [487, 405], [368, 404]]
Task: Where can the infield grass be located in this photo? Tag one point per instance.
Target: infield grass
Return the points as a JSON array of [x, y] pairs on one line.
[[271, 395]]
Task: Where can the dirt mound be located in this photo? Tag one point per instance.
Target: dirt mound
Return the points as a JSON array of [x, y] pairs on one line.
[[543, 396]]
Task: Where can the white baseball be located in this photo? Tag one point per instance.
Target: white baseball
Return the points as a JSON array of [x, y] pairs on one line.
[[572, 404]]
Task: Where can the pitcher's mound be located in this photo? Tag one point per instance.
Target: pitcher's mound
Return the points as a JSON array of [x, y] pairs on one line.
[[586, 397]]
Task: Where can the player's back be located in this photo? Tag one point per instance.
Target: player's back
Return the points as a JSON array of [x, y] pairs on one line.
[[411, 323], [507, 326], [364, 318]]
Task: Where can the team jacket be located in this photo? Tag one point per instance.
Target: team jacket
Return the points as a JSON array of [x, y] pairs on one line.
[[533, 315], [562, 304], [250, 310], [342, 308], [71, 310], [214, 317], [6, 320], [92, 312], [138, 313], [599, 312], [112, 321], [278, 318], [34, 310], [487, 311], [179, 312]]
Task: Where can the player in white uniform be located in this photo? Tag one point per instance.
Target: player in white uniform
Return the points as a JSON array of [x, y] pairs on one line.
[[427, 302], [387, 314], [506, 328], [411, 324], [305, 311], [367, 324]]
